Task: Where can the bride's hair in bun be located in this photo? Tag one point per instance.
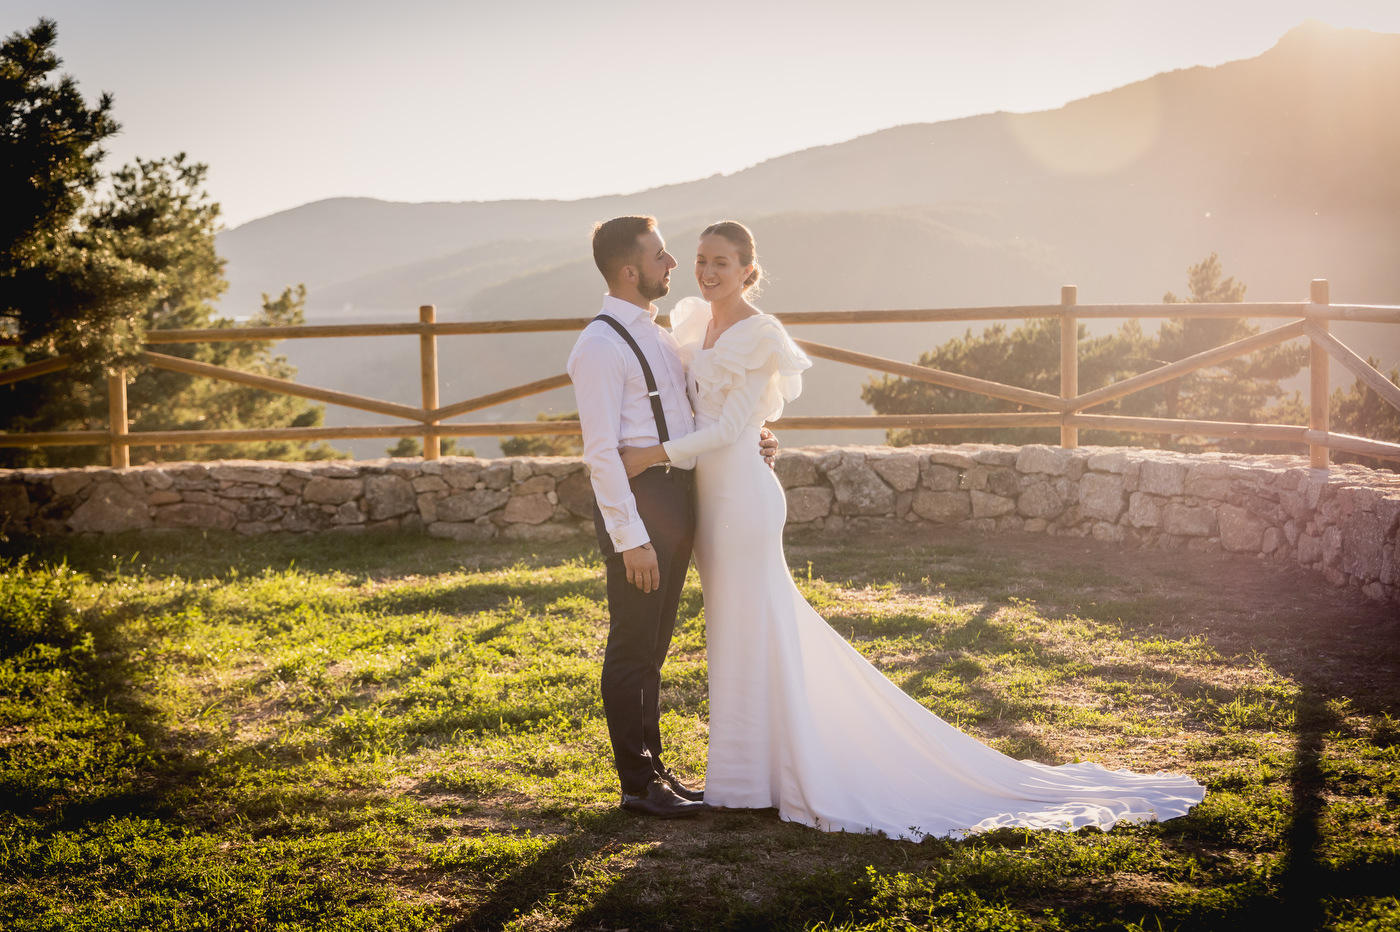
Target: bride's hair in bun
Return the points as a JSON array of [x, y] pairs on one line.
[[741, 239]]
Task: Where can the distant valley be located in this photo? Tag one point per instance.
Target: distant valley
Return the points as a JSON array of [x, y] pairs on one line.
[[1284, 164]]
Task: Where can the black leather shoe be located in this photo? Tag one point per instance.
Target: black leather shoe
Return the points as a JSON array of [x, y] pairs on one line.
[[659, 800], [679, 788]]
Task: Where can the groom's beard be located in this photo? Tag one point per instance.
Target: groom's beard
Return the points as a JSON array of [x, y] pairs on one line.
[[653, 288]]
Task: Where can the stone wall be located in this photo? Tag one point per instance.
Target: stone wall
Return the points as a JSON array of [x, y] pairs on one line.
[[1343, 522], [542, 498]]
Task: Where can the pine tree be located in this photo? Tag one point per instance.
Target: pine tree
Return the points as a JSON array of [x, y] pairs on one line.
[[1027, 356], [62, 289], [545, 444], [90, 276], [412, 446], [1361, 412], [1244, 389]]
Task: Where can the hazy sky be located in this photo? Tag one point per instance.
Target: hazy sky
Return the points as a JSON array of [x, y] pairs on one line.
[[290, 101]]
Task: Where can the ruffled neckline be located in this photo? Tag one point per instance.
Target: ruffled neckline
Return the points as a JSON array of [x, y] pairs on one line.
[[702, 348], [741, 348], [690, 320]]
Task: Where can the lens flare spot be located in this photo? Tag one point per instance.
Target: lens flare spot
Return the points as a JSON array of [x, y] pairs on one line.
[[1094, 136]]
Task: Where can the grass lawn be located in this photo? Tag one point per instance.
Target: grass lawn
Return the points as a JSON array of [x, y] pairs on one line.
[[399, 733]]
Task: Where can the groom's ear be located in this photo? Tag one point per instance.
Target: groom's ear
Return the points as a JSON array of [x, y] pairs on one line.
[[628, 273]]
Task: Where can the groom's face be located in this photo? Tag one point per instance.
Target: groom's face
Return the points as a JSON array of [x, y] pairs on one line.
[[654, 265]]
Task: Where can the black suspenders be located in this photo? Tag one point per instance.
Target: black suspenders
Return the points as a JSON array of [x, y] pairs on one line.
[[652, 393]]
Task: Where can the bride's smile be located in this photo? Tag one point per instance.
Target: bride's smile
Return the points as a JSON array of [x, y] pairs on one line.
[[718, 271]]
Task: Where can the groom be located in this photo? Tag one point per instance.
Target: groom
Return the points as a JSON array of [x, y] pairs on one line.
[[630, 385]]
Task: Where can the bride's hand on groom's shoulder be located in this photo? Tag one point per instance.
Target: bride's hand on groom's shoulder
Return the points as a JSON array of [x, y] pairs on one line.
[[637, 460]]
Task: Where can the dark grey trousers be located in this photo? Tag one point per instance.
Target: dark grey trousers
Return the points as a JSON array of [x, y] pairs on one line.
[[641, 623]]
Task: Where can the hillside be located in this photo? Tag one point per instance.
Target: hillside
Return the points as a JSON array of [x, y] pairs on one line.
[[1283, 164]]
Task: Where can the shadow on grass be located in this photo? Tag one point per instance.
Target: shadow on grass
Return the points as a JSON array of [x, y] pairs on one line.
[[956, 566], [830, 882], [115, 772], [199, 555], [1305, 880], [467, 598], [823, 877], [554, 870], [680, 890], [1023, 744]]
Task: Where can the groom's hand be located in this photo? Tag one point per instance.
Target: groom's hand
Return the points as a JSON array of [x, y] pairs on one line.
[[767, 446], [642, 569]]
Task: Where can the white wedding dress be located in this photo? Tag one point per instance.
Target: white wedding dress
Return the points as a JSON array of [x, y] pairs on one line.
[[798, 719]]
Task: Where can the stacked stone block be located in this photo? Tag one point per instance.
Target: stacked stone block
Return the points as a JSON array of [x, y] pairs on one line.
[[546, 498], [1342, 522]]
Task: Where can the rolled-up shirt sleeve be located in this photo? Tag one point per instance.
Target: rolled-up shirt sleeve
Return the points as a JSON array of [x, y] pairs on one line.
[[599, 374]]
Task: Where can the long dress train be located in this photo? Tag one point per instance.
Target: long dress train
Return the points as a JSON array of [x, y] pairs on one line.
[[798, 719]]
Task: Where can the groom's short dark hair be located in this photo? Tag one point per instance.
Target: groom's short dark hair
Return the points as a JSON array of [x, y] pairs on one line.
[[615, 243]]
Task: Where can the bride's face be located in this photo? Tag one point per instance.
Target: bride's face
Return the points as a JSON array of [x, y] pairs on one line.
[[718, 271]]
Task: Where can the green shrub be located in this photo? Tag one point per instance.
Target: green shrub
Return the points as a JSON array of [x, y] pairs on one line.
[[35, 606]]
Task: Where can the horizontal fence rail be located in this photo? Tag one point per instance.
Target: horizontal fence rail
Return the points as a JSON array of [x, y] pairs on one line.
[[1364, 313], [1067, 411]]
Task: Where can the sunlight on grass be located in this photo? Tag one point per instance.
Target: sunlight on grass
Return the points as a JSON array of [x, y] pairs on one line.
[[406, 734]]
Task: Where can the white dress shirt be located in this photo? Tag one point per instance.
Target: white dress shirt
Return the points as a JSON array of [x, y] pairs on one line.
[[614, 409]]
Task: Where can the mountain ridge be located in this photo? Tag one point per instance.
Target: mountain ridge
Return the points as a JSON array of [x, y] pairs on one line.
[[410, 232], [1281, 164]]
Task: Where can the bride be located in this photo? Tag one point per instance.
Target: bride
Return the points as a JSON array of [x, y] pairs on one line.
[[798, 719]]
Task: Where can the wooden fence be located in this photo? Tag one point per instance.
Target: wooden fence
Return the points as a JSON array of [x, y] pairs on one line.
[[1308, 319]]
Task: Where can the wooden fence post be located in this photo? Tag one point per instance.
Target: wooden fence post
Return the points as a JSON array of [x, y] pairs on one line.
[[1069, 362], [1319, 389], [432, 446], [120, 453]]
